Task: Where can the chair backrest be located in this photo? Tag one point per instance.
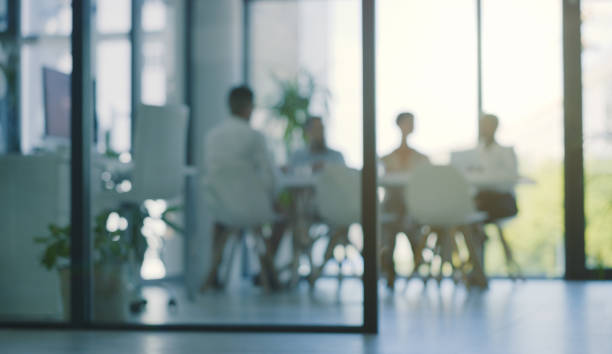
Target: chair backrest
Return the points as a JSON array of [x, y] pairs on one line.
[[338, 195], [160, 145], [438, 196], [236, 197]]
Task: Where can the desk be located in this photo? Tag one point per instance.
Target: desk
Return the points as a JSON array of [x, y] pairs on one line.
[[394, 180]]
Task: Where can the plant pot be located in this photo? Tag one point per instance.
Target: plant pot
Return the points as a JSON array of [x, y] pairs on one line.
[[110, 293]]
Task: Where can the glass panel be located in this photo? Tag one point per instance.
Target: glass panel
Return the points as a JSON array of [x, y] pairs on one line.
[[154, 15], [35, 180], [597, 123], [113, 98], [49, 17], [305, 59], [427, 107], [228, 247], [4, 15], [154, 76], [53, 54], [114, 16], [522, 86], [137, 204]]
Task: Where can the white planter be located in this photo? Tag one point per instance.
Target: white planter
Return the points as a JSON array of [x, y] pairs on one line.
[[110, 293]]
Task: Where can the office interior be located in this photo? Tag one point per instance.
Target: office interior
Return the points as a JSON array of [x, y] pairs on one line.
[[112, 227]]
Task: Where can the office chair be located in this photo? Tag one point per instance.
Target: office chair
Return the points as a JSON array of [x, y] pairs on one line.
[[439, 198]]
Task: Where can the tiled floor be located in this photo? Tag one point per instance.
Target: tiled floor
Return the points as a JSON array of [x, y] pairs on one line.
[[525, 317]]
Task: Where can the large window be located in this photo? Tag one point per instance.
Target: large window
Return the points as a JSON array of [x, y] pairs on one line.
[[45, 30], [426, 65], [597, 98], [522, 84], [112, 75]]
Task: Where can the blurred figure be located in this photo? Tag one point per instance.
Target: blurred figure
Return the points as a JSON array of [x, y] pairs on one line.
[[496, 170], [241, 175], [310, 160], [402, 160], [493, 168], [317, 153]]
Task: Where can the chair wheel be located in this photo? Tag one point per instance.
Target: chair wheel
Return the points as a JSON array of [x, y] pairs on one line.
[[138, 306]]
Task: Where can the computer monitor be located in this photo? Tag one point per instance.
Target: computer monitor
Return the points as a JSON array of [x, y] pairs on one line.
[[56, 94]]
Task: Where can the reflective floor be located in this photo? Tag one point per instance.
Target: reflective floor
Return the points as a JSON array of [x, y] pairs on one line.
[[548, 316], [327, 304]]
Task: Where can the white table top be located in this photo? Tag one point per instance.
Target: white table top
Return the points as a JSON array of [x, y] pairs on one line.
[[389, 180]]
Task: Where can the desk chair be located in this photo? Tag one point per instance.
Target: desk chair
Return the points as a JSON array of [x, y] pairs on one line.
[[439, 199], [338, 201], [238, 201], [159, 169], [462, 160], [512, 267]]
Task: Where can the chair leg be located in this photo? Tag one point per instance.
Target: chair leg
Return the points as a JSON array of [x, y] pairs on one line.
[[269, 277], [418, 243], [387, 250], [220, 238], [478, 276], [513, 268], [334, 240], [300, 244], [232, 257]]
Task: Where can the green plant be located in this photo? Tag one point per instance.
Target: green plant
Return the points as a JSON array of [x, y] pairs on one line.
[[293, 105], [57, 251], [109, 246]]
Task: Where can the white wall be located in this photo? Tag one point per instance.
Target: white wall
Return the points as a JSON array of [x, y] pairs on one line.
[[217, 66]]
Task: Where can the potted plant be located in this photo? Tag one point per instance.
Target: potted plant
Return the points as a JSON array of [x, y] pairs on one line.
[[111, 253], [296, 95]]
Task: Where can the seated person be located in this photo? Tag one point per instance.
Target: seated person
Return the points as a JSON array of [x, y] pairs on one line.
[[494, 170], [317, 153], [403, 159], [240, 172], [313, 157]]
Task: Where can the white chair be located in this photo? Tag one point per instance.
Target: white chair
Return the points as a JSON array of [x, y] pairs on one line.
[[463, 160], [159, 167], [159, 156], [160, 152], [338, 203], [239, 201], [440, 198]]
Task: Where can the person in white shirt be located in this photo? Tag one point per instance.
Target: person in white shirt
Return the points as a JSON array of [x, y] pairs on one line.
[[494, 169], [240, 175]]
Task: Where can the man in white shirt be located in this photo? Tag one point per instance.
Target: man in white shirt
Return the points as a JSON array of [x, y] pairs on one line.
[[494, 170], [240, 175]]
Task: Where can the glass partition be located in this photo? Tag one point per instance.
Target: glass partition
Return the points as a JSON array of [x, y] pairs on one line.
[[35, 69], [597, 123], [275, 236], [427, 107]]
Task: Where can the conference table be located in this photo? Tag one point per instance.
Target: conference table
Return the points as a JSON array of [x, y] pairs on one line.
[[303, 188]]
